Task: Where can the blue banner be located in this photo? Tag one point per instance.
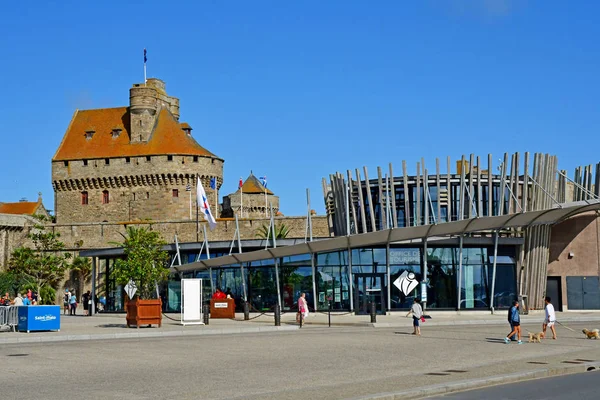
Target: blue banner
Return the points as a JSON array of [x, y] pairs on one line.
[[39, 318]]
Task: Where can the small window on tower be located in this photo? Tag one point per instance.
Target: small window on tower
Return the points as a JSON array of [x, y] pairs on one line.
[[148, 158], [107, 161], [127, 160], [195, 158], [105, 197], [84, 198], [66, 163], [175, 192], [85, 163], [147, 195], [169, 158]]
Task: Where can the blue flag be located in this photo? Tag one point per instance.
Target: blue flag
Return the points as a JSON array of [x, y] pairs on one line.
[[263, 180], [213, 183], [145, 58]]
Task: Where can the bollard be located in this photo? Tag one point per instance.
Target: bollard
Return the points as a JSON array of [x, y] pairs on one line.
[[246, 311], [206, 314], [373, 313], [277, 316], [329, 314]]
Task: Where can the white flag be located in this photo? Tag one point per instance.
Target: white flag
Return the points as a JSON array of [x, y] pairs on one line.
[[204, 207]]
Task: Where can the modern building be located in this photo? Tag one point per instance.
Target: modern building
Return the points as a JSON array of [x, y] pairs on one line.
[[474, 240]]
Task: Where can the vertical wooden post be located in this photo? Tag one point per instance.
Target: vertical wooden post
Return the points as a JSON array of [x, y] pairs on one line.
[[479, 191], [525, 189], [407, 213], [352, 206], [418, 196], [437, 183], [371, 205], [382, 209], [470, 185], [490, 186], [393, 194], [449, 188], [363, 218], [461, 194]]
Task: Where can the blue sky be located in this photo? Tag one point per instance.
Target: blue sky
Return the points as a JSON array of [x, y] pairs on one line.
[[299, 90]]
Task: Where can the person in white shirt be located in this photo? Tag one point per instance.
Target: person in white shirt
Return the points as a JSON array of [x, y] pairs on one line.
[[417, 314], [550, 318]]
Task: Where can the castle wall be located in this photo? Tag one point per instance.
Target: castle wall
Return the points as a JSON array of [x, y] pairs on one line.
[[103, 235], [138, 189]]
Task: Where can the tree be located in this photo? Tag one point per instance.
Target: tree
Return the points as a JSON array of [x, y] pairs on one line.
[[82, 269], [45, 264], [281, 232], [144, 262]]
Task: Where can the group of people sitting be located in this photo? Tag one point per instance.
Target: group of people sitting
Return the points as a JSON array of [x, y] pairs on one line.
[[27, 299]]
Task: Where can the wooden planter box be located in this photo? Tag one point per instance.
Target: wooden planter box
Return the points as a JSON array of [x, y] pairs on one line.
[[144, 312]]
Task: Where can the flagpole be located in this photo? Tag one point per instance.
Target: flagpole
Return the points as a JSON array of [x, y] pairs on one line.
[[190, 203], [216, 200], [241, 198], [145, 67]]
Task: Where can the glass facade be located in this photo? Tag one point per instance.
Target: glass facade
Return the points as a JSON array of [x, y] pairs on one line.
[[370, 280]]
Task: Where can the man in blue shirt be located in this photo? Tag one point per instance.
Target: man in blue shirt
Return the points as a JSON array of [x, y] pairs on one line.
[[515, 321], [26, 301]]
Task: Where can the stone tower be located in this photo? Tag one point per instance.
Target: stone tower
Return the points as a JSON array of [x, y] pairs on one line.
[[251, 200], [132, 163], [145, 101]]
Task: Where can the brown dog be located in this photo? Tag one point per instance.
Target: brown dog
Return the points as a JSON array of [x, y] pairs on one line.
[[535, 337], [593, 334]]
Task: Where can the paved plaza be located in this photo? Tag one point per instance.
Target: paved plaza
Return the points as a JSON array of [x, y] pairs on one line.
[[349, 360]]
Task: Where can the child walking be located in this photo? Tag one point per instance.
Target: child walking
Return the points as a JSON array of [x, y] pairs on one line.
[[515, 320]]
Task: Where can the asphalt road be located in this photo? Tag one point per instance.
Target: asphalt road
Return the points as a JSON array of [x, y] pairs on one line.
[[324, 363], [577, 386]]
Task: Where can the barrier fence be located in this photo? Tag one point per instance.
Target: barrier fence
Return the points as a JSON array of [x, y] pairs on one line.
[[9, 317]]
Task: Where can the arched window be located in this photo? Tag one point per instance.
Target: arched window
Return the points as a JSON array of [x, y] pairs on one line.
[[84, 198], [105, 197]]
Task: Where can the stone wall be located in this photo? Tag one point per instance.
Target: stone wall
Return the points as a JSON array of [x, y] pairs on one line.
[[103, 235], [138, 189], [13, 233], [579, 236]]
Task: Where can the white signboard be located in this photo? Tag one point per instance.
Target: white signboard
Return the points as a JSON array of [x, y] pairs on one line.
[[220, 305], [191, 302], [130, 289]]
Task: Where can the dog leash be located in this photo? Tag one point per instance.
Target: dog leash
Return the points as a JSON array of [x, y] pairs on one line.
[[564, 326]]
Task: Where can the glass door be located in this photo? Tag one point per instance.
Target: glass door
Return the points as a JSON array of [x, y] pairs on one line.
[[369, 288]]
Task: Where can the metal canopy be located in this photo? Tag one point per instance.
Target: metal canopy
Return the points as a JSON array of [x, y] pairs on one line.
[[525, 219]]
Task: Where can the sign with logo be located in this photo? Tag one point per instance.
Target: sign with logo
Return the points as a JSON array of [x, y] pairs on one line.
[[406, 282], [220, 305], [39, 318], [130, 289]]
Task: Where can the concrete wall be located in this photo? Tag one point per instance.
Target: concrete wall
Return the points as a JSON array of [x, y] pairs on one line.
[[580, 236]]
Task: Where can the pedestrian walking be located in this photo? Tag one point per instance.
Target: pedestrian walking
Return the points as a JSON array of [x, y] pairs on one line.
[[18, 301], [515, 320], [550, 318], [417, 314], [73, 304], [66, 301], [302, 307], [86, 300]]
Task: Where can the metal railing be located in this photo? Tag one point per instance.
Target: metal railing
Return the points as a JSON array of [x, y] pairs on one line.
[[9, 317]]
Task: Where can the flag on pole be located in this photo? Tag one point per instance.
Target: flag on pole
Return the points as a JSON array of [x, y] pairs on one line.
[[241, 183], [145, 58], [203, 205], [213, 183], [263, 180]]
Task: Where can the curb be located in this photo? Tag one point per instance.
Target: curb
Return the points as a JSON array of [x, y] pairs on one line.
[[476, 322], [139, 335], [460, 386]]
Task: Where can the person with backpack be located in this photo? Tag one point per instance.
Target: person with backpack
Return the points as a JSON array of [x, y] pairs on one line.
[[513, 338], [515, 321], [66, 299]]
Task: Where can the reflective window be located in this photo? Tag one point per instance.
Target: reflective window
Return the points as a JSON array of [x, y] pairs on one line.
[[404, 260], [332, 282]]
